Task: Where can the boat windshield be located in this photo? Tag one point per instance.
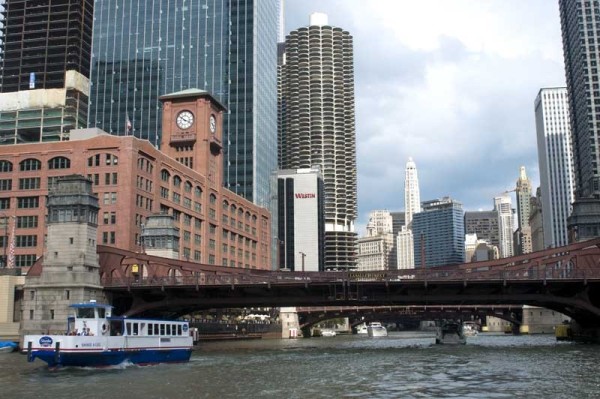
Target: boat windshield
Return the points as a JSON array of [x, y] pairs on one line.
[[85, 313]]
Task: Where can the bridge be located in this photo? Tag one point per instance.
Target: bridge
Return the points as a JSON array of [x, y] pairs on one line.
[[564, 279]]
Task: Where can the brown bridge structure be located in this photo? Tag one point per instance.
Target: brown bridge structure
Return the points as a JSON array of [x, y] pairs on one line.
[[564, 279]]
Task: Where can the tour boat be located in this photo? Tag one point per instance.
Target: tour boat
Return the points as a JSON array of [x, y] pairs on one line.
[[450, 333], [376, 329], [95, 339]]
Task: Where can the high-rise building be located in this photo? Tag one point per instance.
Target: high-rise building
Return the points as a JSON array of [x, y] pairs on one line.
[[522, 236], [405, 249], [145, 49], [503, 205], [318, 117], [484, 224], [555, 163], [412, 196], [380, 231], [301, 227], [398, 220], [580, 35], [45, 49], [439, 233]]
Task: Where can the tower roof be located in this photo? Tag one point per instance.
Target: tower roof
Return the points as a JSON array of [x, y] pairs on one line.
[[193, 92]]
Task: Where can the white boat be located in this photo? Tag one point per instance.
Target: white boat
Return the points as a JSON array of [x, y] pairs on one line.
[[328, 333], [362, 329], [470, 330], [376, 329], [450, 333], [95, 339]]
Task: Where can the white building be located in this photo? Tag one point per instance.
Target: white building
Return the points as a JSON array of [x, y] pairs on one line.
[[301, 226], [412, 196], [405, 246], [503, 205], [377, 251], [555, 158]]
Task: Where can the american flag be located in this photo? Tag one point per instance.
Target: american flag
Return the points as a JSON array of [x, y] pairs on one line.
[[10, 263], [128, 125]]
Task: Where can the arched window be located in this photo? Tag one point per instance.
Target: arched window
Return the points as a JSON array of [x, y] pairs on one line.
[[188, 187], [30, 164], [6, 166], [198, 191], [165, 175], [225, 205], [213, 199], [59, 163], [176, 181]]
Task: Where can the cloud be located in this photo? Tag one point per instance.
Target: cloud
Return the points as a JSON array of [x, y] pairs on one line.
[[450, 83]]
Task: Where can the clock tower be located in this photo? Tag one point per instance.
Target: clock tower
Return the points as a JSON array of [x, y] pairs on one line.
[[192, 132]]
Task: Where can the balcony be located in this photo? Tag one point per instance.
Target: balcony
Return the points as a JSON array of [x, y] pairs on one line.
[[180, 138]]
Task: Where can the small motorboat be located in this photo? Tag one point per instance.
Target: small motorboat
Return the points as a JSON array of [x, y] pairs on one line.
[[328, 333], [450, 333], [362, 329], [376, 329], [7, 346]]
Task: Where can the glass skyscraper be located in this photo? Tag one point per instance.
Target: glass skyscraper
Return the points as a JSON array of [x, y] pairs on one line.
[[144, 49], [439, 233]]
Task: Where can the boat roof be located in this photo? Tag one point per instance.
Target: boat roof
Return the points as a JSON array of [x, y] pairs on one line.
[[90, 305]]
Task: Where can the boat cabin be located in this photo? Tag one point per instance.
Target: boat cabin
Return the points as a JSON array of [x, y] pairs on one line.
[[90, 319]]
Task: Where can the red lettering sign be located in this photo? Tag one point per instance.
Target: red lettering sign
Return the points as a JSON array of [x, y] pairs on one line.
[[305, 195]]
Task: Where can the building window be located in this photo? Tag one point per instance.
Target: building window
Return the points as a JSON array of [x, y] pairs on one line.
[[198, 192], [176, 181], [165, 175], [213, 199], [27, 222], [112, 159], [28, 202], [6, 166], [5, 184], [4, 203], [59, 163], [26, 241], [29, 183], [188, 187], [94, 160], [197, 256], [30, 164]]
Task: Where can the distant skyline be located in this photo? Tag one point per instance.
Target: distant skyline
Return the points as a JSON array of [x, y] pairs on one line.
[[451, 83]]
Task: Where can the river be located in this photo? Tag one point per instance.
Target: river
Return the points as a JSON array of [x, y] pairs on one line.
[[403, 365]]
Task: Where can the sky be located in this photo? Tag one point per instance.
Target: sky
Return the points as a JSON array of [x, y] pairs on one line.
[[450, 83]]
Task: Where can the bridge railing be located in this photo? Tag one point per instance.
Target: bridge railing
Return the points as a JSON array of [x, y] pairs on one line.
[[556, 271]]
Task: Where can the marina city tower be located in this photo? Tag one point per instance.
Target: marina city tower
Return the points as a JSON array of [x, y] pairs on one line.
[[317, 126]]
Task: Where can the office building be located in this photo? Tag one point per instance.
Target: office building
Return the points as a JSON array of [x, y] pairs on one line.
[[45, 49], [484, 224], [377, 250], [145, 49], [580, 36], [503, 206], [412, 196], [398, 220], [134, 180], [301, 226], [439, 233], [522, 236], [405, 249], [318, 116], [555, 157]]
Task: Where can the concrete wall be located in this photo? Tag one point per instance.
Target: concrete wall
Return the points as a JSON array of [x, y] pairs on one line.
[[9, 321]]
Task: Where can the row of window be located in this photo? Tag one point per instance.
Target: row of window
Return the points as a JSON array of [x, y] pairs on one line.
[[59, 162]]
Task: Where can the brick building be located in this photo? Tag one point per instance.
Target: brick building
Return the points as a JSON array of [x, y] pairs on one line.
[[134, 180]]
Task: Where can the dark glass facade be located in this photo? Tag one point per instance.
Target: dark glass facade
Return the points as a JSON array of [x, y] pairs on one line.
[[439, 233], [144, 49]]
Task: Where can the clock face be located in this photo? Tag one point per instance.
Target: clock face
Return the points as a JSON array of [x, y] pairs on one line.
[[185, 119], [212, 124]]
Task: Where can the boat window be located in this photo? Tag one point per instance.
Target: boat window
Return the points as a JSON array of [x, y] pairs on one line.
[[85, 313], [156, 326], [150, 329], [168, 329], [135, 329], [143, 329], [162, 329], [101, 313], [128, 325], [179, 330]]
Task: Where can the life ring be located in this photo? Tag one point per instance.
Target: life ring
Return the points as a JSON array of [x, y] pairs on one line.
[[104, 329]]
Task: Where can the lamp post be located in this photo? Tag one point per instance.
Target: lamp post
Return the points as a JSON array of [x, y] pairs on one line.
[[303, 256]]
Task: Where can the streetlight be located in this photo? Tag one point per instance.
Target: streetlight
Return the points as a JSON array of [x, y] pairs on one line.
[[303, 256]]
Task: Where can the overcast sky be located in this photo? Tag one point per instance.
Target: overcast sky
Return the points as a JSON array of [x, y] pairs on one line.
[[450, 83]]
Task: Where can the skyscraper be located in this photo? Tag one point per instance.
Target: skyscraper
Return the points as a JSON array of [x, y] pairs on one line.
[[145, 49], [45, 49], [377, 251], [555, 163], [412, 196], [318, 116], [503, 205], [522, 236], [439, 233], [580, 36], [484, 224]]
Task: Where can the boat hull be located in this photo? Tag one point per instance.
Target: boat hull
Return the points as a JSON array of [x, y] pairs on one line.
[[377, 332], [110, 358]]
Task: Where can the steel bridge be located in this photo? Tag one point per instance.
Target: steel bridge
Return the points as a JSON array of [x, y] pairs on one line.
[[565, 279]]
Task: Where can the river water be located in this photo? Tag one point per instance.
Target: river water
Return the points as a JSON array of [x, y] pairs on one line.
[[403, 365]]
